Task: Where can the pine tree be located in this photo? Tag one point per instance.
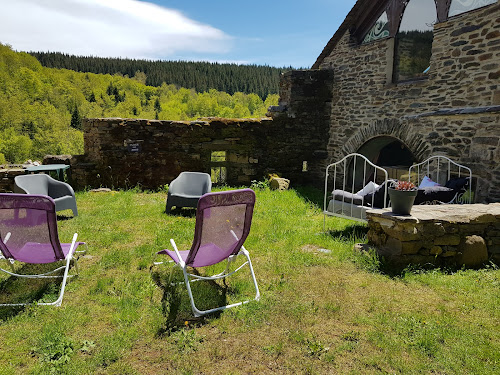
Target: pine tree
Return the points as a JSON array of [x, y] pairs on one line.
[[76, 119]]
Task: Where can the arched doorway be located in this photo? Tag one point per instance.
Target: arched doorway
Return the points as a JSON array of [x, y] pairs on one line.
[[389, 153]]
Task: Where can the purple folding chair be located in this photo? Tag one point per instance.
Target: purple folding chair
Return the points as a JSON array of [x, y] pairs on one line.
[[223, 222], [28, 234]]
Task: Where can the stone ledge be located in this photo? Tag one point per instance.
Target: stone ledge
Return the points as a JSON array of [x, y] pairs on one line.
[[457, 213], [458, 111]]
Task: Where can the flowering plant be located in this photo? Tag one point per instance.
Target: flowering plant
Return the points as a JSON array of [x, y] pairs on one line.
[[404, 185]]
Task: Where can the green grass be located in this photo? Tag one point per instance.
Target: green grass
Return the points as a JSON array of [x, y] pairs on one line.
[[320, 312]]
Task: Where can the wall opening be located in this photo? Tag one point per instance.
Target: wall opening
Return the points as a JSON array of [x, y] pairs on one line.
[[390, 154], [218, 171]]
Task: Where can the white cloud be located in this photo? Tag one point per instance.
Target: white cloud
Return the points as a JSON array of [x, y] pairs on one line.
[[111, 28]]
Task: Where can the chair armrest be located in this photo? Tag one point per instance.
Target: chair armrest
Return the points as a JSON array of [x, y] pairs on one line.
[[59, 189], [208, 186], [172, 187]]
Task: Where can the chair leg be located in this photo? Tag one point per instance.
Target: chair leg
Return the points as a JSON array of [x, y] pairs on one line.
[[9, 262], [72, 249], [199, 313], [247, 255], [58, 301]]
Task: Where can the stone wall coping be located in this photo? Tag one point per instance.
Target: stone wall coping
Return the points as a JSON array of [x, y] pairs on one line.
[[457, 111], [456, 213], [200, 121]]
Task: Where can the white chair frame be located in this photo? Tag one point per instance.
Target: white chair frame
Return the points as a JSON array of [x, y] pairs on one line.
[[182, 265], [70, 257]]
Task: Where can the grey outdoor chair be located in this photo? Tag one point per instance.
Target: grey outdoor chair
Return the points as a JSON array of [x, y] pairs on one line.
[[186, 189], [42, 184]]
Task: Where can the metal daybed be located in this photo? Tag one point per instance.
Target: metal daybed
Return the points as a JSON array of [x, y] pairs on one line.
[[354, 185]]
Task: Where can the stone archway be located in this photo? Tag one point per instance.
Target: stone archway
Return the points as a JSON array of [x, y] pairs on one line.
[[374, 137], [390, 143]]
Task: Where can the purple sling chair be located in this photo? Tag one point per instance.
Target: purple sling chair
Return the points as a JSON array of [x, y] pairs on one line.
[[223, 222], [28, 234]]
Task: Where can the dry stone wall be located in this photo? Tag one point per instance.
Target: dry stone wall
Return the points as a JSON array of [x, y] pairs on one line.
[[443, 235], [124, 153]]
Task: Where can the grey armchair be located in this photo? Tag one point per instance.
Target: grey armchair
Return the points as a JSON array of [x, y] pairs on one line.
[[43, 184], [186, 189]]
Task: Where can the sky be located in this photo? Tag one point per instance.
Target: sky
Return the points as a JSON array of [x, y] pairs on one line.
[[275, 33], [419, 15]]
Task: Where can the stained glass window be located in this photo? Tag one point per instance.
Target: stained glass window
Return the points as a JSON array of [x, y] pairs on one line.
[[462, 6], [379, 30], [414, 40]]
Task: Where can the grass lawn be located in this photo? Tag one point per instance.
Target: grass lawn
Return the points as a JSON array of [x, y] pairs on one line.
[[321, 312]]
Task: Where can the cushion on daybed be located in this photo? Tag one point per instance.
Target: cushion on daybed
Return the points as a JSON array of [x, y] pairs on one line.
[[376, 199], [370, 187], [457, 183], [427, 182], [345, 196]]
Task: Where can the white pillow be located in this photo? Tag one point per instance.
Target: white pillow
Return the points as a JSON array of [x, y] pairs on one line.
[[369, 188], [427, 182]]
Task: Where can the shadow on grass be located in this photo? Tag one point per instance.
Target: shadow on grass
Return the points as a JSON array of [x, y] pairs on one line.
[[184, 212], [370, 259], [21, 290], [310, 194], [175, 304], [350, 233], [64, 218]]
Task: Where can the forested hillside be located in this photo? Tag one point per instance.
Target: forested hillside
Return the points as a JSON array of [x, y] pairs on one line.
[[200, 76], [41, 108]]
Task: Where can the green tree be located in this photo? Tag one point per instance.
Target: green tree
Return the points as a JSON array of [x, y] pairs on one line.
[[76, 119], [14, 147]]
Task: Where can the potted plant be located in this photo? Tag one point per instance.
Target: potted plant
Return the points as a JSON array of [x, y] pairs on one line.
[[402, 195]]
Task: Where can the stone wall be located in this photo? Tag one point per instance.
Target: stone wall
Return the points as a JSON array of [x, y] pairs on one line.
[[463, 79], [123, 153], [304, 112], [7, 175], [443, 235]]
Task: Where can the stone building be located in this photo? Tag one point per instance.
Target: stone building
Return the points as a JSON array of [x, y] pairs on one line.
[[409, 79]]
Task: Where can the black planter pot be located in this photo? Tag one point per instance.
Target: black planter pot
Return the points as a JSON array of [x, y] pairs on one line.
[[402, 200]]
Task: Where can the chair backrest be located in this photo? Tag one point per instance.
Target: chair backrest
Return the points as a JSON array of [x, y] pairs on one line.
[[223, 221], [32, 223], [193, 183], [32, 184]]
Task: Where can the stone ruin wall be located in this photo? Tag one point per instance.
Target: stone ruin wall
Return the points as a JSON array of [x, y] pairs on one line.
[[455, 111], [124, 153]]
